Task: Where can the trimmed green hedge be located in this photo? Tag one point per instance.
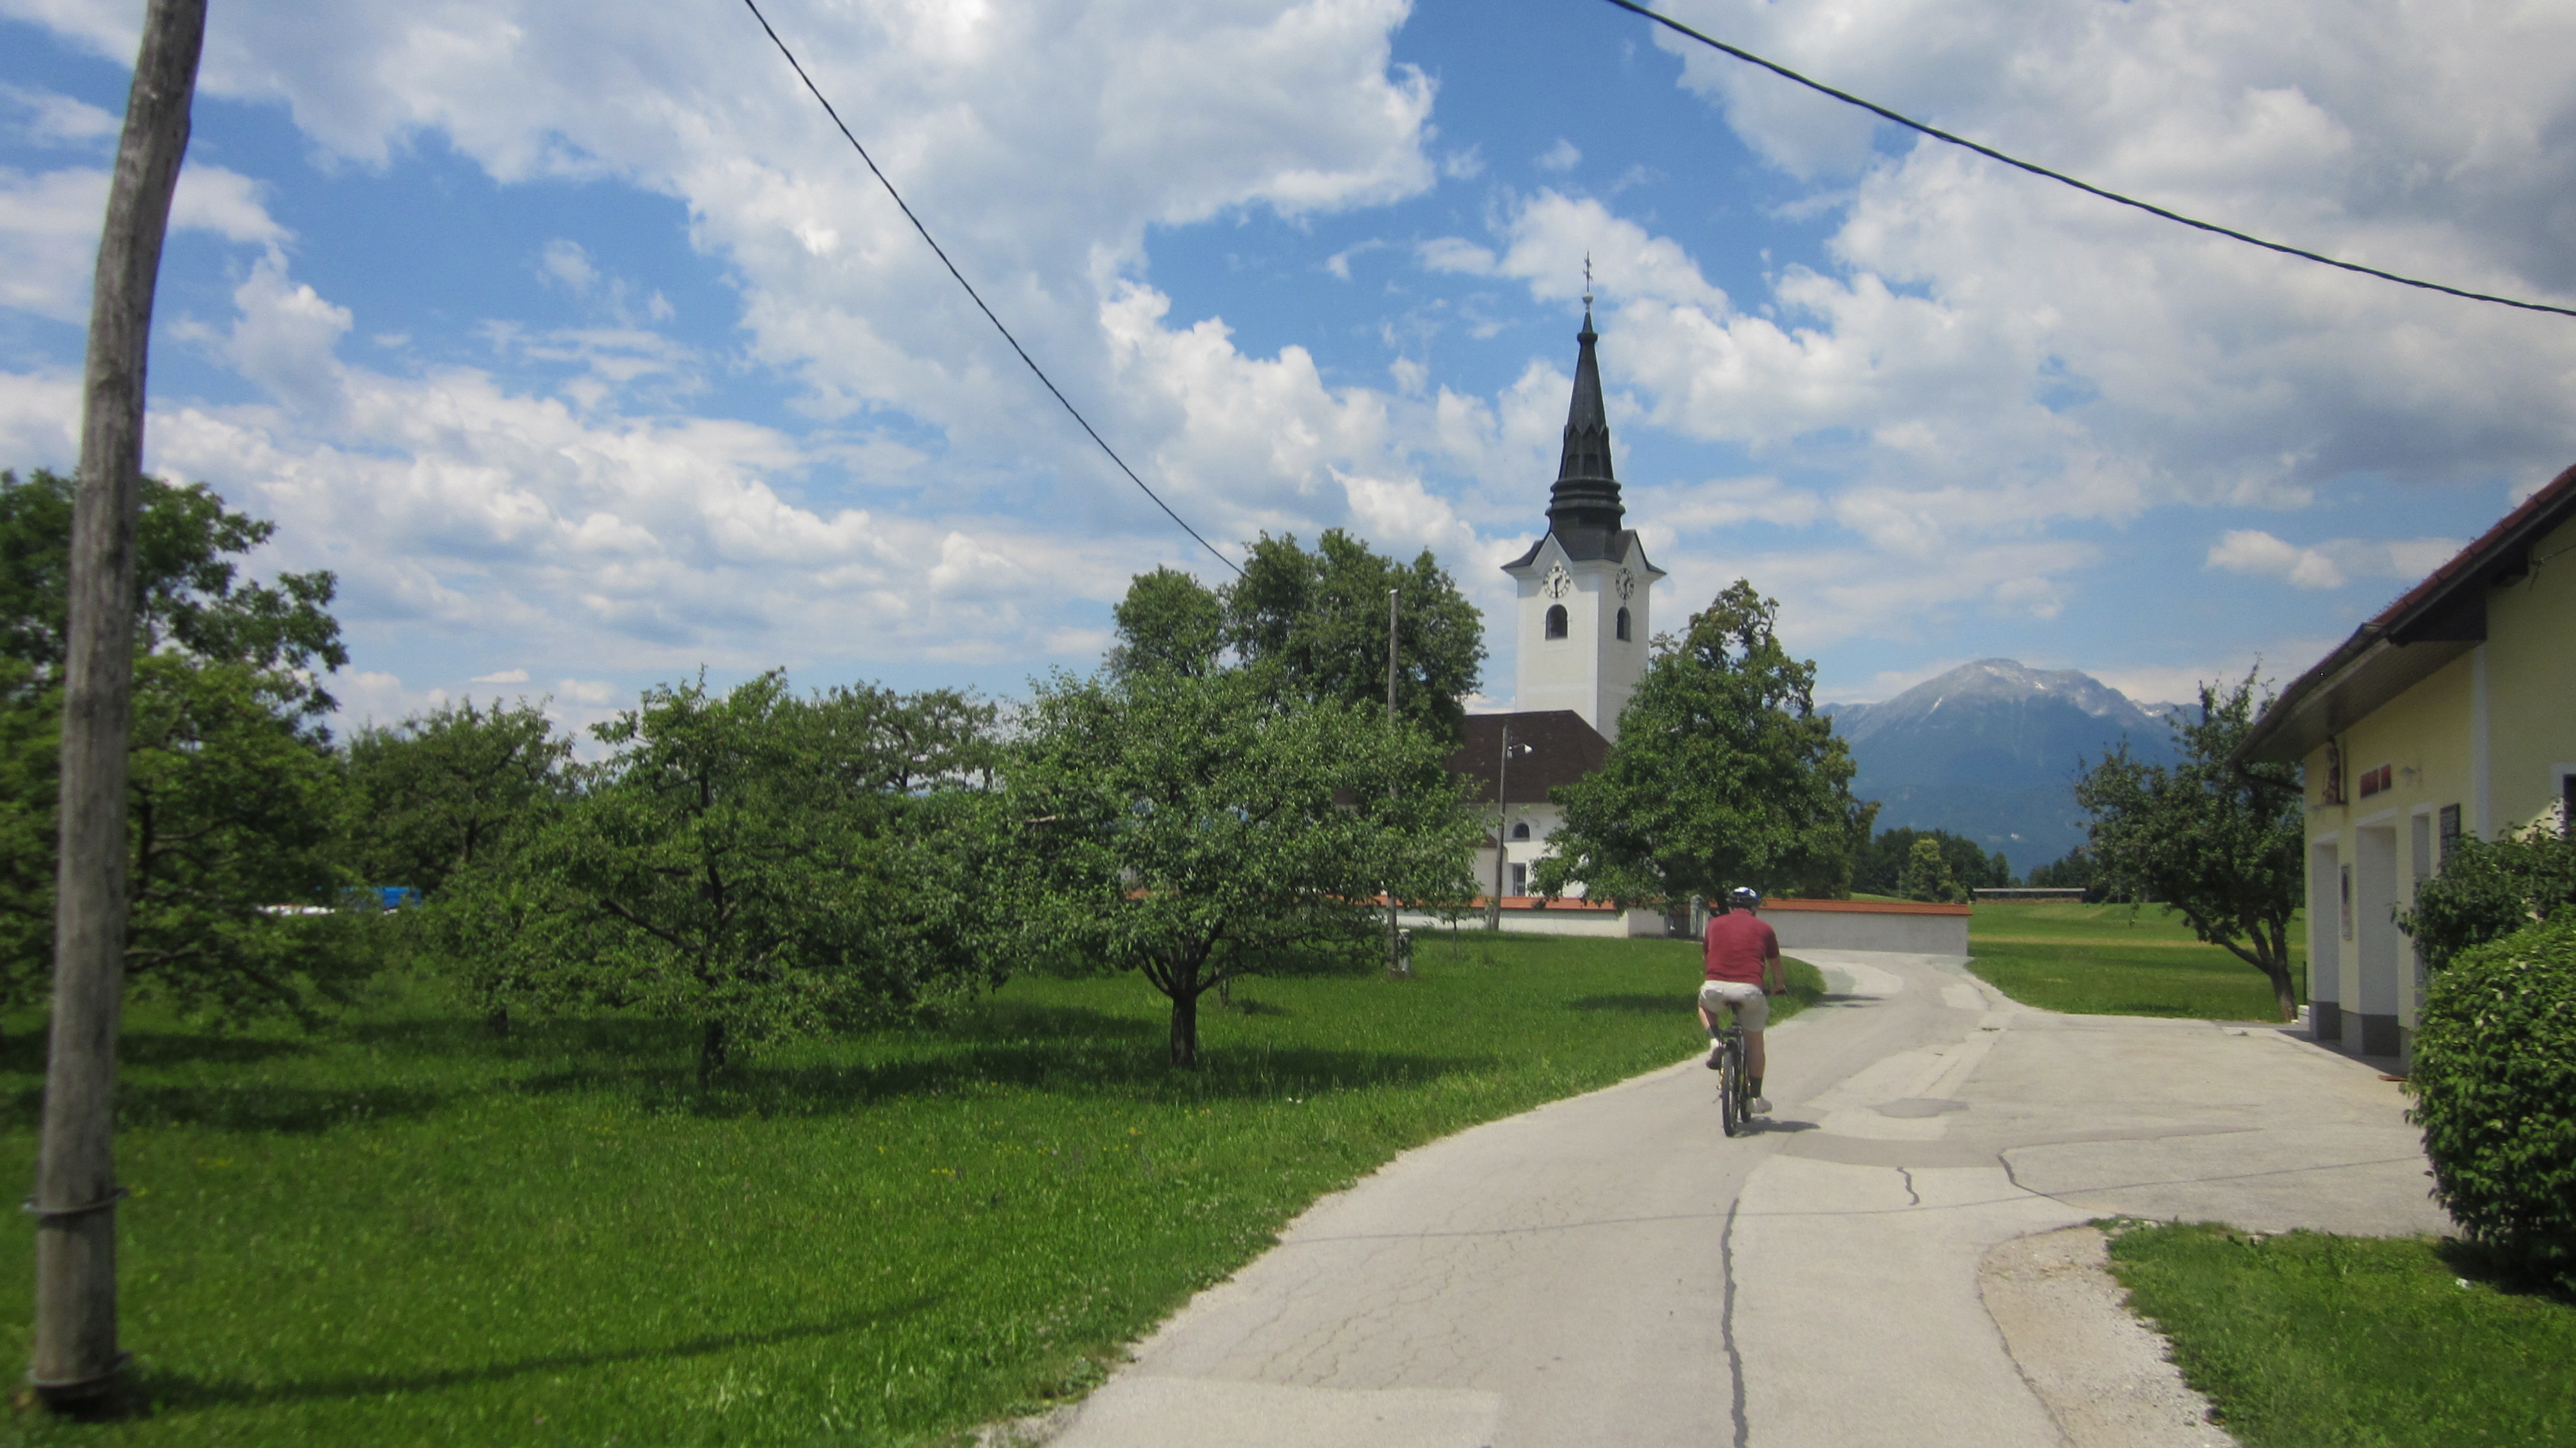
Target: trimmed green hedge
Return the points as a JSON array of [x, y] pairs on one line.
[[2495, 1091]]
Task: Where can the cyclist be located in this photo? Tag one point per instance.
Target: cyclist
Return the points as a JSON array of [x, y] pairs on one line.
[[1742, 964]]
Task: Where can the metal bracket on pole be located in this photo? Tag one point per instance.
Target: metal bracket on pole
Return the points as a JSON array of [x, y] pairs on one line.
[[51, 1214]]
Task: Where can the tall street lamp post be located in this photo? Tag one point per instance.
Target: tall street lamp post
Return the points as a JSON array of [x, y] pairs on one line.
[[1502, 827]]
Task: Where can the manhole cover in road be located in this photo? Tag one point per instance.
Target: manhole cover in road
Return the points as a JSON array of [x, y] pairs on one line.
[[1918, 1106]]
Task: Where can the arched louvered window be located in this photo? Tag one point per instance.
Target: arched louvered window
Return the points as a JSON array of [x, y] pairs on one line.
[[1623, 625], [1556, 620], [1520, 832]]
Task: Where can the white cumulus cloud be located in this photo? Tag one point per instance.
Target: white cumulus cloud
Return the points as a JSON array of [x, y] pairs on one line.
[[49, 225], [2330, 564]]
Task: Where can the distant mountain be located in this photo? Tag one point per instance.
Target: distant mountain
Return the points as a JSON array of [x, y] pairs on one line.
[[1990, 750]]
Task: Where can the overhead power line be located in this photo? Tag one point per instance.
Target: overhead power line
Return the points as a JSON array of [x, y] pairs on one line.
[[2089, 189], [941, 253]]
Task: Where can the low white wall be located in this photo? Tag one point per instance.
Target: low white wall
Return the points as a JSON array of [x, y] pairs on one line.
[[1612, 923], [1868, 930]]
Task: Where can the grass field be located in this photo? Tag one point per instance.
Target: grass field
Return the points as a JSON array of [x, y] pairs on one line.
[[2062, 955], [401, 1231], [2312, 1341]]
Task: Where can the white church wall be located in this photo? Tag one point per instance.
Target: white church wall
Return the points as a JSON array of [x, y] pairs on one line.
[[1542, 820], [1622, 662], [1591, 670]]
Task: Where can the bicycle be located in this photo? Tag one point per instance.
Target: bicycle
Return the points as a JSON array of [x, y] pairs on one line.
[[1734, 1088]]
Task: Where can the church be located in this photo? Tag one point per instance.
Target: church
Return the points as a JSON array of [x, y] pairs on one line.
[[1584, 614]]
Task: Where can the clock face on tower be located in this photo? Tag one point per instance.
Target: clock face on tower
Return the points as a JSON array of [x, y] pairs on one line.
[[1557, 581], [1627, 585]]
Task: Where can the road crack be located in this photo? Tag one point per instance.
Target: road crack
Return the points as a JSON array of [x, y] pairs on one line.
[[1726, 1329]]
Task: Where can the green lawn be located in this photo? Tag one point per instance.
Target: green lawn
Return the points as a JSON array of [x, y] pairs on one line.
[[402, 1231], [2314, 1341], [2119, 960]]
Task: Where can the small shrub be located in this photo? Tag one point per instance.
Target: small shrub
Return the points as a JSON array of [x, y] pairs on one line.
[[2495, 1091], [2489, 890]]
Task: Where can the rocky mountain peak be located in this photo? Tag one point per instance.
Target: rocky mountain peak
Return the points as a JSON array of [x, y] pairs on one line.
[[1990, 750]]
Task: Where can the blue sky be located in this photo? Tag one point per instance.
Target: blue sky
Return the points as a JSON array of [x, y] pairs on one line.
[[587, 355]]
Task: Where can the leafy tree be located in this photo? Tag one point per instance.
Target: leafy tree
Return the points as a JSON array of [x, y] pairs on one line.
[[189, 596], [1927, 875], [231, 804], [2490, 889], [879, 743], [1315, 624], [448, 793], [2075, 872], [1195, 828], [1724, 774], [440, 791], [234, 790], [1171, 622], [2220, 842], [1880, 868], [760, 866]]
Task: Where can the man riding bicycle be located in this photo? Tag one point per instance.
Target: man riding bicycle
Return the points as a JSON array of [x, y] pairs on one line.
[[1742, 971]]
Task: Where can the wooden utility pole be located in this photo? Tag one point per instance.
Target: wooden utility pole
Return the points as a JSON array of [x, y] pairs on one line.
[[1502, 823], [1393, 605], [1395, 962], [76, 1355]]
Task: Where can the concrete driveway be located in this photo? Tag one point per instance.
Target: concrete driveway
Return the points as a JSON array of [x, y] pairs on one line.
[[1612, 1269]]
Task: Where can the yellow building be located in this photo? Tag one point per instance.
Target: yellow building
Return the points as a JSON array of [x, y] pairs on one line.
[[2453, 712]]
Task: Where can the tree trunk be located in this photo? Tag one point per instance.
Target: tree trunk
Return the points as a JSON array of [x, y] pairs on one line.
[[1185, 1029], [711, 1050], [76, 1355], [2276, 969], [2276, 966]]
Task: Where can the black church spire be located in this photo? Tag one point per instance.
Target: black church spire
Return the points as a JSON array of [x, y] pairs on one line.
[[1584, 504]]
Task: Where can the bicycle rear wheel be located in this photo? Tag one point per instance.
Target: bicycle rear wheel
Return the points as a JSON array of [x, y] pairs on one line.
[[1730, 1088]]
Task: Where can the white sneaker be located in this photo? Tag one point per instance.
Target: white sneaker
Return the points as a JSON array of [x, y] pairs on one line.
[[1761, 1105]]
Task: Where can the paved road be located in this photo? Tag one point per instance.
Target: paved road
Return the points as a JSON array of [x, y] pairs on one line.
[[1612, 1270]]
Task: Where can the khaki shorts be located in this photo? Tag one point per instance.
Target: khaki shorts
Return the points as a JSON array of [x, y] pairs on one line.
[[1752, 1007]]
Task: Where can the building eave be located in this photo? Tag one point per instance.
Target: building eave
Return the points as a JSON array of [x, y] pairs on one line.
[[2431, 624], [1529, 560], [1624, 547]]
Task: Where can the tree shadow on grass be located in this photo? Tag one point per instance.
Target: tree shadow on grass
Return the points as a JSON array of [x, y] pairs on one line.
[[452, 1037], [249, 1106], [1125, 1074], [1643, 1003], [1003, 1045], [24, 1050], [1247, 1006], [159, 1391], [1059, 1050], [2481, 1262]]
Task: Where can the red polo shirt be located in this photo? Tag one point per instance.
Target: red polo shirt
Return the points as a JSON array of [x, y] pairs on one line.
[[1737, 944]]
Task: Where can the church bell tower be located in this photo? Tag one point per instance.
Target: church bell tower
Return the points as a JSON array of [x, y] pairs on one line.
[[1584, 614]]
